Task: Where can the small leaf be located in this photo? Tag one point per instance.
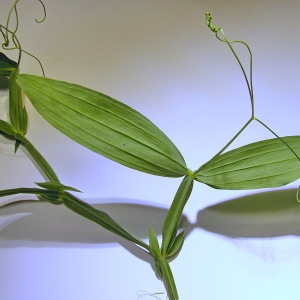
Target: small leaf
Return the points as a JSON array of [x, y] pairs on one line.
[[153, 242], [17, 111], [104, 125], [176, 246], [264, 164], [56, 186], [7, 128], [54, 199]]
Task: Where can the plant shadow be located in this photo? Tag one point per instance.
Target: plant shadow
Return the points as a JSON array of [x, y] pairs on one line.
[[31, 223], [36, 221], [261, 215]]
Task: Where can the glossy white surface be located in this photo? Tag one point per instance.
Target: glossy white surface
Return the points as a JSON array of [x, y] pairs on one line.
[[160, 58]]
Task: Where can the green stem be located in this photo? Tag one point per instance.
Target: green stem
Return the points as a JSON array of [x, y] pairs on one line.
[[100, 217], [174, 214], [273, 132], [33, 191], [17, 45], [38, 158], [248, 82], [7, 129], [229, 143], [168, 278], [81, 208]]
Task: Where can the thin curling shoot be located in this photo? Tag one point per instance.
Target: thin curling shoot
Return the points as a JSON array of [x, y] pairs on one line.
[[9, 35], [45, 13]]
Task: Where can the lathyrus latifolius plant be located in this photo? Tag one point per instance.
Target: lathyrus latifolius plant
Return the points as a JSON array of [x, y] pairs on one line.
[[120, 133]]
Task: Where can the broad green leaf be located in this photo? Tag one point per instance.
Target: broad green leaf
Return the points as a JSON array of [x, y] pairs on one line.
[[104, 125], [264, 164]]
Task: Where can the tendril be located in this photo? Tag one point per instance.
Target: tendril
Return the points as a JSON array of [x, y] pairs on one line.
[[9, 35], [44, 11], [223, 39], [213, 28], [13, 9], [249, 82]]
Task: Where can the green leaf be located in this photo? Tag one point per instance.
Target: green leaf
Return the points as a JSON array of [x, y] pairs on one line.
[[6, 65], [176, 246], [56, 186], [264, 164], [153, 242], [4, 82], [81, 208], [17, 112], [7, 128], [104, 125]]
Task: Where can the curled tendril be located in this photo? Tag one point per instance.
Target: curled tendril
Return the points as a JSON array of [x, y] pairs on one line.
[[212, 27], [45, 13], [9, 35], [248, 79], [12, 32]]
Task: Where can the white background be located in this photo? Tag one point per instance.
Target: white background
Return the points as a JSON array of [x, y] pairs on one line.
[[160, 58]]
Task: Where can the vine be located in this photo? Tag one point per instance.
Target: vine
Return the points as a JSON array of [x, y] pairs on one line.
[[10, 35], [249, 82]]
